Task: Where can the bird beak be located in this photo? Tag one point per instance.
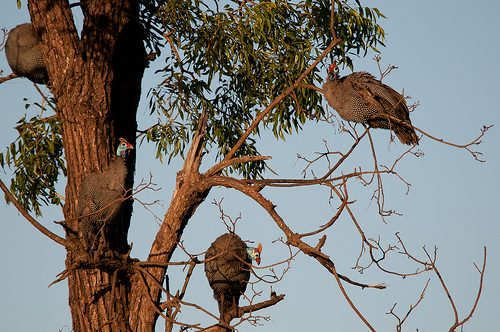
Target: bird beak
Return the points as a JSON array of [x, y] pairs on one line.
[[129, 146], [333, 71], [331, 68]]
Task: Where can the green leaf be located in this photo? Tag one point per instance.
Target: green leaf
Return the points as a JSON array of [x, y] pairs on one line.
[[38, 161]]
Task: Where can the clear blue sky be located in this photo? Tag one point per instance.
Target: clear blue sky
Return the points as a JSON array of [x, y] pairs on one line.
[[447, 55]]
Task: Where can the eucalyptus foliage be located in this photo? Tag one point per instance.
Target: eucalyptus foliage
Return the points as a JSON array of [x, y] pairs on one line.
[[230, 58], [37, 160], [233, 59]]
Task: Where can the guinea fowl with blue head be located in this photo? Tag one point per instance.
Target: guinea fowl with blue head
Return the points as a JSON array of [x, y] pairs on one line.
[[227, 269], [101, 198]]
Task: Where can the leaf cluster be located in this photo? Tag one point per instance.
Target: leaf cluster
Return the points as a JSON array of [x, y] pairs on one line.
[[151, 22], [235, 60], [37, 159], [356, 26]]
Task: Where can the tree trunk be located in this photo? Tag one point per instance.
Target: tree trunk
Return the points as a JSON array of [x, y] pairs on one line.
[[145, 303], [96, 80], [189, 193]]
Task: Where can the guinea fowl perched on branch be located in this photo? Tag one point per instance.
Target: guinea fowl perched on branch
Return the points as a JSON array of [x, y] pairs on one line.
[[229, 271], [101, 197], [24, 56], [359, 97]]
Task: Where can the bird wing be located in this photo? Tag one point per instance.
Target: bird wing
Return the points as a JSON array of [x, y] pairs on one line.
[[228, 271], [381, 96]]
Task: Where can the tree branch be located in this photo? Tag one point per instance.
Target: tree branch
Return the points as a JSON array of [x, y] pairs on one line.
[[292, 238], [8, 77], [412, 307], [36, 224], [322, 180], [466, 146], [226, 163], [261, 305], [287, 91], [481, 272]]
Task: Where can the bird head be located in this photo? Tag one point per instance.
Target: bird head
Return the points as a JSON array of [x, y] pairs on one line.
[[123, 148], [254, 253], [333, 71]]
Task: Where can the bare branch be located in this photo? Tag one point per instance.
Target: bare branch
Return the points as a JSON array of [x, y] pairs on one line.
[[466, 146], [54, 237], [8, 77], [292, 238], [258, 306], [386, 72], [481, 272], [322, 180], [329, 223], [226, 163], [401, 321]]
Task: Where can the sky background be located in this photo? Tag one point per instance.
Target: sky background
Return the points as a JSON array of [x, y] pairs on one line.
[[447, 58]]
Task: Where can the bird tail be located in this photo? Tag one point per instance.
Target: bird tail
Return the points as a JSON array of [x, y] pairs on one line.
[[227, 308], [406, 135], [404, 131]]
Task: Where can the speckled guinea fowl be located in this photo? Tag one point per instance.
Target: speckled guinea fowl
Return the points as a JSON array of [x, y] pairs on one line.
[[361, 98], [23, 54], [97, 191], [229, 271]]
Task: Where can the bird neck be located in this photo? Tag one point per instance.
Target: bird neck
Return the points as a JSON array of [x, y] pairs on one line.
[[332, 76]]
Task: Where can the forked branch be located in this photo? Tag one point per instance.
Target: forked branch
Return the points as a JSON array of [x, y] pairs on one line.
[[412, 307], [467, 146], [431, 265], [292, 238]]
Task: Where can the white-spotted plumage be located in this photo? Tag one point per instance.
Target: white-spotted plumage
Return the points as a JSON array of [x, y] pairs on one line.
[[361, 98], [24, 55], [100, 199]]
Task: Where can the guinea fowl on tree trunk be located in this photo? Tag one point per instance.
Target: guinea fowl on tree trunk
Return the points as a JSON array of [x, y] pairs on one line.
[[361, 98], [24, 55], [229, 271], [101, 198]]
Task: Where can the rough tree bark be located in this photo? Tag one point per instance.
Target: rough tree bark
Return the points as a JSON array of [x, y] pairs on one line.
[[189, 193], [96, 80]]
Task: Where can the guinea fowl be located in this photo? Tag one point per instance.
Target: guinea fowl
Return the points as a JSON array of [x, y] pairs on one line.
[[229, 271], [361, 98], [100, 199], [24, 56]]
